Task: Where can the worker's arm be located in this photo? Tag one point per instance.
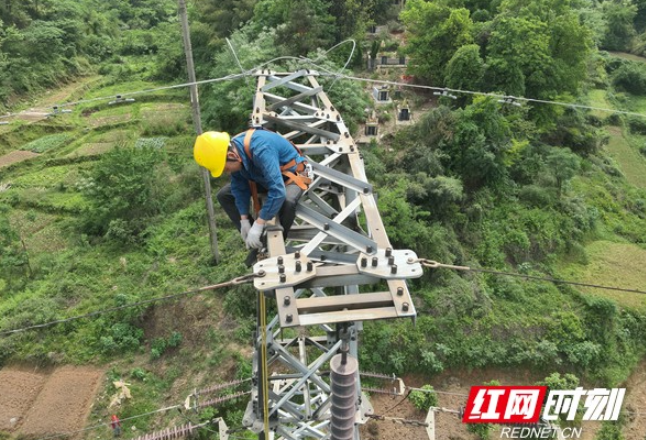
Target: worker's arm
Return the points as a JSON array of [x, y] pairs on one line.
[[266, 158], [241, 192]]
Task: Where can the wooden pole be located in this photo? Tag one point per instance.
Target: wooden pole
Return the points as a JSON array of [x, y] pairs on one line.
[[195, 104]]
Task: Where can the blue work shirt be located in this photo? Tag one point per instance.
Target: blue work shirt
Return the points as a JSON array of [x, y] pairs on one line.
[[269, 151]]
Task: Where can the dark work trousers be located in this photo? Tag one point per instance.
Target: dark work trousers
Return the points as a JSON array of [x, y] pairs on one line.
[[287, 212]]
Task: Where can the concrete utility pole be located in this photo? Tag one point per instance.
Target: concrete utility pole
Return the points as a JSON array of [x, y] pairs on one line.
[[195, 103]]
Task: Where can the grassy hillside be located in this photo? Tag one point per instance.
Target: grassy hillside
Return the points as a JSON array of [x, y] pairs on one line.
[[102, 208]]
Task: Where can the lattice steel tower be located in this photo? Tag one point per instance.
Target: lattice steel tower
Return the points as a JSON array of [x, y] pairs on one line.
[[307, 385]]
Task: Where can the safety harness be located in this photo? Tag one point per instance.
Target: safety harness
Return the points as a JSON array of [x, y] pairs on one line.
[[297, 178]]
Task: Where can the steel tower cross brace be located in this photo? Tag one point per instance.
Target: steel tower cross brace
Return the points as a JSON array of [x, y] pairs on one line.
[[337, 244]]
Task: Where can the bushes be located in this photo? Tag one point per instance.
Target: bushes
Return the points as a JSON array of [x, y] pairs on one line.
[[125, 190], [423, 400], [631, 78], [160, 345], [637, 125]]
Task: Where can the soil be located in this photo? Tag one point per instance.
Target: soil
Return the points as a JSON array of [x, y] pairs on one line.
[[16, 156], [45, 404], [42, 403], [18, 390], [447, 426], [108, 120], [635, 404]]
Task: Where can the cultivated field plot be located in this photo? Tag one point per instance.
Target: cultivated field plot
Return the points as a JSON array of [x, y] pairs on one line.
[[92, 149], [613, 264], [110, 116], [18, 390], [47, 404], [38, 230], [632, 163], [15, 157]]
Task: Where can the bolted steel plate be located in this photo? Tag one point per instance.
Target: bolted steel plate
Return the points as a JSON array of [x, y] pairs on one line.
[[390, 264], [283, 271]]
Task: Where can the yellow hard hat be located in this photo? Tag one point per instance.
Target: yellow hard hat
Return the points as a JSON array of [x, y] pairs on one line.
[[210, 151]]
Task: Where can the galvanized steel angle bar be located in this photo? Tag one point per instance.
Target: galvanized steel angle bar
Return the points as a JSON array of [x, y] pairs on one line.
[[287, 406], [403, 303], [289, 360], [309, 374], [307, 427], [333, 257], [258, 104], [287, 102], [320, 237], [349, 316], [286, 434], [358, 184], [305, 128], [287, 81], [347, 235], [299, 106]]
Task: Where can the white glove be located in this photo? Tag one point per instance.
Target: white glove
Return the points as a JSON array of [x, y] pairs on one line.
[[253, 238], [245, 226]]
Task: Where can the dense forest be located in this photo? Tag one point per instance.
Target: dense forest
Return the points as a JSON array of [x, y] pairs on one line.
[[109, 208]]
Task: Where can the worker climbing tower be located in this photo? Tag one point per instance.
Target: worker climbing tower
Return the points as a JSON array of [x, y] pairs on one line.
[[305, 368]]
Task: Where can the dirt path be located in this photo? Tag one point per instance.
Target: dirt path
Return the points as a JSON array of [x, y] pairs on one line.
[[34, 404], [43, 107], [60, 95]]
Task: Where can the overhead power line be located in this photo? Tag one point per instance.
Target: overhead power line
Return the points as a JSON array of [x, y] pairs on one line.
[[435, 265], [122, 96], [505, 98], [234, 282], [303, 60], [247, 278], [101, 425], [179, 407]]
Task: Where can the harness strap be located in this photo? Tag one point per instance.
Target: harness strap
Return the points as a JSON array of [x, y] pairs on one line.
[[252, 184], [302, 182]]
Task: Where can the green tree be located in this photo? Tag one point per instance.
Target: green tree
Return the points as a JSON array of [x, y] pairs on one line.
[[435, 32], [556, 381], [479, 145], [351, 16], [640, 17], [518, 56], [225, 105], [14, 260], [539, 50], [592, 17], [301, 26], [307, 26], [619, 15], [125, 191], [225, 16], [564, 165], [465, 69]]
